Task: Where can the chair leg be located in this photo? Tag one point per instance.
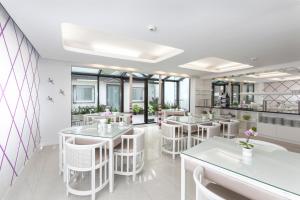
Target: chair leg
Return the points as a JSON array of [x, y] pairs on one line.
[[67, 174], [134, 168], [173, 156], [93, 177]]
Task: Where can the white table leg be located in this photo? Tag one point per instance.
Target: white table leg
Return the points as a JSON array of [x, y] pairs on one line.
[[189, 136], [182, 179], [111, 166]]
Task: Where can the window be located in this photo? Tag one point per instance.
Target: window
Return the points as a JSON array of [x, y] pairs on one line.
[[250, 89], [170, 94], [84, 93], [113, 96], [137, 94], [184, 94]]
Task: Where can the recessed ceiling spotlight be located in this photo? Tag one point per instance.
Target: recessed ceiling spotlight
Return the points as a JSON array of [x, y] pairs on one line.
[[152, 28]]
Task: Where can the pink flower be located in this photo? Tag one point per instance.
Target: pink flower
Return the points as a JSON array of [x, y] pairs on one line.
[[250, 133]]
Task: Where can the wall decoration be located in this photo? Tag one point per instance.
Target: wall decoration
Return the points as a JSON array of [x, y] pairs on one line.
[[19, 102]]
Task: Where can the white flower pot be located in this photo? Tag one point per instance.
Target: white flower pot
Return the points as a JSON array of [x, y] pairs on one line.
[[247, 152]]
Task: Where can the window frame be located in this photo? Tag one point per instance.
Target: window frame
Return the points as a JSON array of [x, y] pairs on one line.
[[143, 95], [75, 101]]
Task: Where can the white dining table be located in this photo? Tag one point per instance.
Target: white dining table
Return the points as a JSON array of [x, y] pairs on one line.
[[188, 121], [97, 132], [173, 112], [101, 115], [275, 171]]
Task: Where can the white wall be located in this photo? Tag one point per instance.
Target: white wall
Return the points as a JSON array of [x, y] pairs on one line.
[[55, 115]]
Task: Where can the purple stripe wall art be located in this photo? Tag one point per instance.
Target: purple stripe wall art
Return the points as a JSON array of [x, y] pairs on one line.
[[19, 102]]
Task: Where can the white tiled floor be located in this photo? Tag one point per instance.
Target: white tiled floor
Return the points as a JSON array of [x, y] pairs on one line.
[[160, 179]]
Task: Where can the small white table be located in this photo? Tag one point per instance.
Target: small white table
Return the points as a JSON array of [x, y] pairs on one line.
[[105, 133], [275, 171]]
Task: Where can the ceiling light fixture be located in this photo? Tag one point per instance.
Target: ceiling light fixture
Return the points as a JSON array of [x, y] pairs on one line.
[[160, 72], [214, 64], [88, 41], [109, 49], [112, 67], [268, 74], [289, 78], [247, 81]]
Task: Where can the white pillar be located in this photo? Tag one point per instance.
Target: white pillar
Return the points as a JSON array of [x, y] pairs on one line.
[[130, 97], [160, 101]]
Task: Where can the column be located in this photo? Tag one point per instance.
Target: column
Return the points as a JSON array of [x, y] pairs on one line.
[[159, 101], [130, 97]]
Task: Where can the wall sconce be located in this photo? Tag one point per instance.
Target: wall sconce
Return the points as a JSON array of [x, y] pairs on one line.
[[61, 91], [50, 80], [50, 99]]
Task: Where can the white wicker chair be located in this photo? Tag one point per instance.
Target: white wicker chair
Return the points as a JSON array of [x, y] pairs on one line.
[[84, 156], [129, 155], [62, 140], [206, 131], [230, 128], [206, 190], [173, 140]]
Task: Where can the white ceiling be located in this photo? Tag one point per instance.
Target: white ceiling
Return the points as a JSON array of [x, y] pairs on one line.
[[230, 29]]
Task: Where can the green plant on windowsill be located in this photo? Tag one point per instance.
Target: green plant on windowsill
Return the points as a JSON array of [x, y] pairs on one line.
[[136, 109], [101, 108], [150, 109], [235, 104]]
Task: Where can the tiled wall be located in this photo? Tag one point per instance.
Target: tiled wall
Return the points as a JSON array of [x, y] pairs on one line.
[[282, 86], [19, 104]]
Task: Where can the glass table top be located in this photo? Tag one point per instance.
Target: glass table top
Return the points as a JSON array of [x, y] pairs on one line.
[[188, 119], [96, 130], [280, 169]]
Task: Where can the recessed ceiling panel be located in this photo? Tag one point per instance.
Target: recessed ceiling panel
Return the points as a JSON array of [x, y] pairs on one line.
[[268, 74], [83, 40], [213, 64]]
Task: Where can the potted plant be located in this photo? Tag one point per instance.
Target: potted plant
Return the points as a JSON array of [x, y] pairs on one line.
[[246, 145], [210, 114], [246, 118], [136, 109], [204, 115], [108, 123]]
